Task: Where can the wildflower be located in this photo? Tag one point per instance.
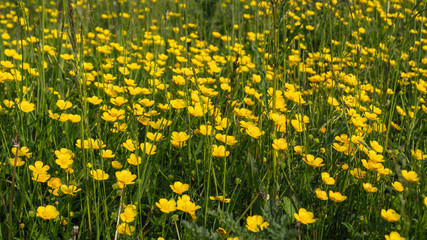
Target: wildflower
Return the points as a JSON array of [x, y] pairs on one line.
[[299, 150], [128, 214], [179, 138], [253, 131], [219, 151], [94, 100], [400, 111], [54, 183], [40, 177], [369, 188], [155, 136], [116, 164], [375, 157], [220, 198], [148, 148], [63, 105], [184, 204], [26, 106], [376, 146], [221, 231], [124, 178], [322, 195], [179, 187], [418, 154], [39, 168], [178, 103], [312, 161], [229, 140], [118, 101], [398, 186], [304, 217], [64, 162], [344, 166], [256, 223], [299, 124], [47, 213], [160, 123], [410, 176], [280, 144], [16, 161], [358, 173], [70, 189], [166, 206], [99, 174], [107, 154], [74, 118], [425, 201], [327, 179], [394, 236], [336, 196], [134, 160], [206, 130], [390, 215], [125, 228], [129, 145]]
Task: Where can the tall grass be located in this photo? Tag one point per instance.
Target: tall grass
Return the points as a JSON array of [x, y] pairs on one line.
[[213, 119]]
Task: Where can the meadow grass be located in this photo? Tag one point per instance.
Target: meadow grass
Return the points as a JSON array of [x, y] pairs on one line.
[[293, 119]]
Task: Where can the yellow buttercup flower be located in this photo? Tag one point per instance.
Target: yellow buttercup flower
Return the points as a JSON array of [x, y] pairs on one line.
[[229, 140], [206, 130], [220, 198], [125, 228], [26, 106], [38, 167], [47, 213], [178, 139], [322, 195], [99, 174], [394, 236], [410, 176], [304, 217], [178, 103], [69, 189], [256, 223], [129, 145], [179, 187], [390, 215], [369, 188], [336, 196], [358, 173], [280, 144], [419, 155], [327, 179], [219, 151], [184, 204], [19, 162], [124, 178], [107, 154], [129, 213], [313, 161], [63, 105], [116, 165], [398, 186], [155, 136], [166, 206]]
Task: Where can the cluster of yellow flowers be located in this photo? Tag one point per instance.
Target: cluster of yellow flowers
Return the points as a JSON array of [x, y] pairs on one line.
[[340, 116]]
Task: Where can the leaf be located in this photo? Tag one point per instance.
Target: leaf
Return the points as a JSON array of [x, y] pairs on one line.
[[288, 207]]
